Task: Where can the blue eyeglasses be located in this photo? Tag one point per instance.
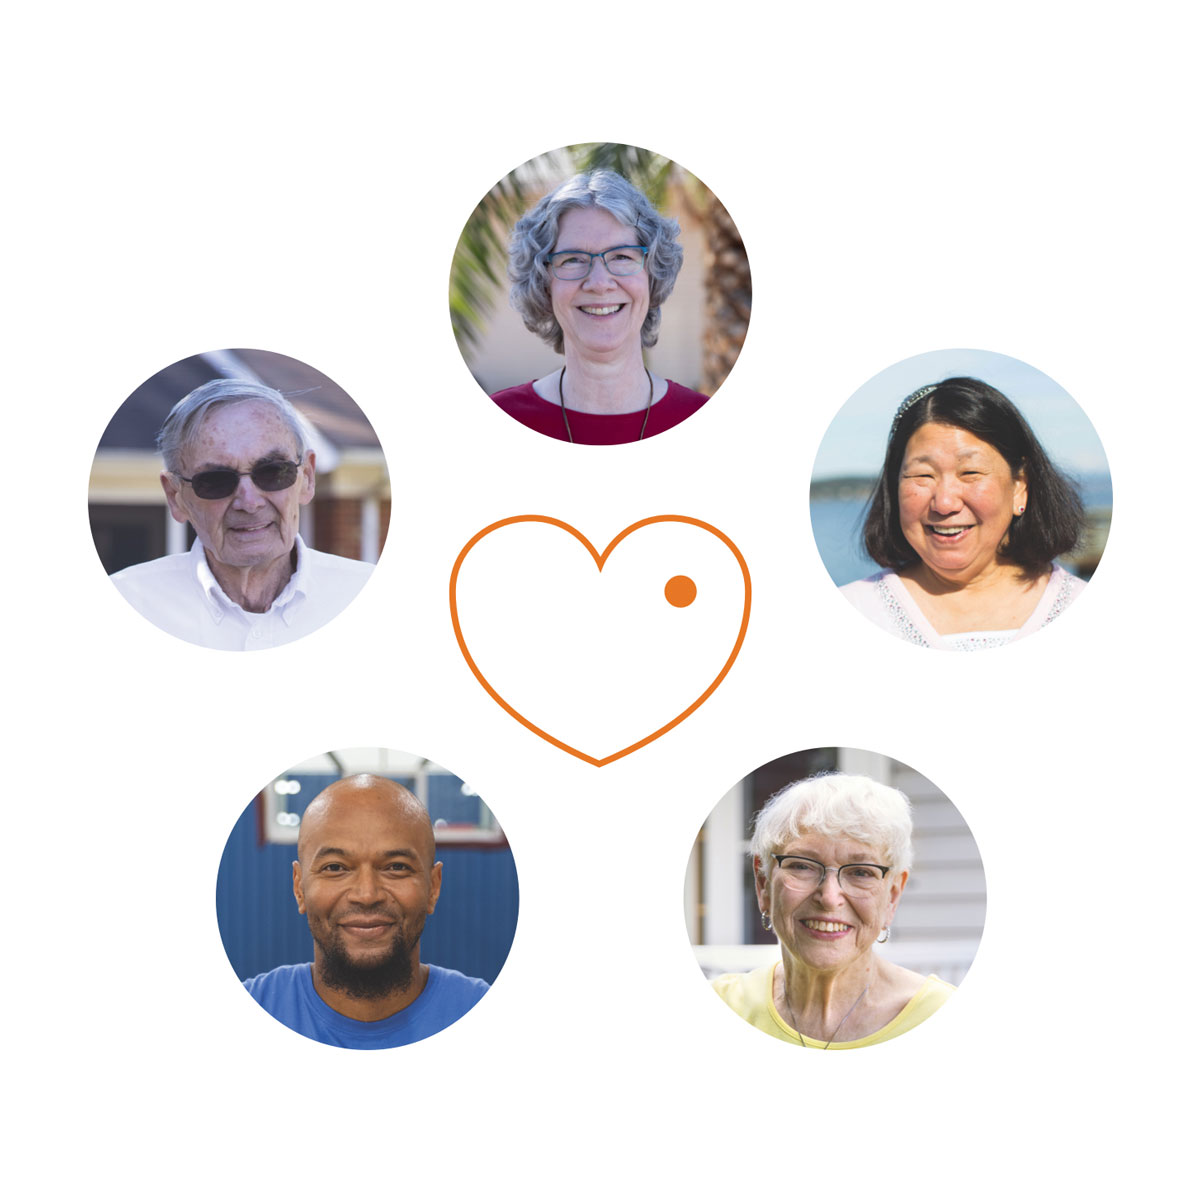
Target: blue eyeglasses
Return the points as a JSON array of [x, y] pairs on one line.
[[623, 261]]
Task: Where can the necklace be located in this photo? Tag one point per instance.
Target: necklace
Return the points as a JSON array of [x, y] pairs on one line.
[[563, 404], [840, 1023]]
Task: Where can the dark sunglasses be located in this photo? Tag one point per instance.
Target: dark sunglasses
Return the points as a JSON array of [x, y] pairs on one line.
[[273, 476]]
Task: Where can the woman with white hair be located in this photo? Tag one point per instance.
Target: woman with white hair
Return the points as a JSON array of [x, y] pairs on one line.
[[831, 858], [591, 266]]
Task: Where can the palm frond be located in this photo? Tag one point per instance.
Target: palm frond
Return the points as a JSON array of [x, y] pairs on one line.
[[479, 260], [649, 172]]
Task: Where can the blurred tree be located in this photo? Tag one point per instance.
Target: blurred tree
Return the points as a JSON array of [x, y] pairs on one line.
[[480, 259]]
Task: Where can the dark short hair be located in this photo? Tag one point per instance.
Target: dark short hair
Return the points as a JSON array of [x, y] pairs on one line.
[[1053, 521], [535, 233]]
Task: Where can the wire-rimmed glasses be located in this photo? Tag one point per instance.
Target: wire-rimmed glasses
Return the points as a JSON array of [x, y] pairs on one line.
[[807, 875]]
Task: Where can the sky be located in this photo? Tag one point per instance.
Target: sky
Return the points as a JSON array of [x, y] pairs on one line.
[[855, 441]]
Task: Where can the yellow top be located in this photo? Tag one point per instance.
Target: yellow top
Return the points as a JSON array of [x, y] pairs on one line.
[[749, 995]]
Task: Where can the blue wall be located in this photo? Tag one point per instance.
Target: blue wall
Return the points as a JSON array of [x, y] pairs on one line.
[[471, 931]]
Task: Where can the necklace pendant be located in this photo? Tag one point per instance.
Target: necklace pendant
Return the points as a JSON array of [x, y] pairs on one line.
[[562, 403]]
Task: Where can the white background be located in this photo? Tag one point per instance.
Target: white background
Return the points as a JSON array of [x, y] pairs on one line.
[[1016, 178], [556, 637]]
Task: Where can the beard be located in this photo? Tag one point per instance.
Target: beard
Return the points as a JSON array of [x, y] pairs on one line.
[[370, 979]]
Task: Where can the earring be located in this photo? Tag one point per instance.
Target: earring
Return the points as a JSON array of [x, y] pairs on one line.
[[885, 934], [1021, 510], [767, 923]]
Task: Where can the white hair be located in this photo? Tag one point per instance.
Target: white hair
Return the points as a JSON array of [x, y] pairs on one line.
[[837, 804]]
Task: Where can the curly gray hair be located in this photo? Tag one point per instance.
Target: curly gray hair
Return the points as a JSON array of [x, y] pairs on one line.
[[535, 233]]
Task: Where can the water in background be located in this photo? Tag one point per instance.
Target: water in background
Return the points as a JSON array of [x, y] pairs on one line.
[[837, 529]]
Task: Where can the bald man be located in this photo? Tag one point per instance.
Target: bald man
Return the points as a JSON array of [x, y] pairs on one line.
[[366, 878]]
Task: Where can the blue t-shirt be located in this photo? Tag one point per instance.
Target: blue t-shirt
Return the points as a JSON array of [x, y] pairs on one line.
[[287, 993]]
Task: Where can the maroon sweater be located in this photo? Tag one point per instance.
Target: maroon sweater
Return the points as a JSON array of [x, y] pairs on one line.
[[598, 429]]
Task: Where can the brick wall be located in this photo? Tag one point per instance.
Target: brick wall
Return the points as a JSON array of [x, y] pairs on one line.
[[338, 526]]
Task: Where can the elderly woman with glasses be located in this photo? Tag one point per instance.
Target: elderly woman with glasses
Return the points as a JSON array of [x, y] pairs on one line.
[[968, 515], [831, 858], [591, 266]]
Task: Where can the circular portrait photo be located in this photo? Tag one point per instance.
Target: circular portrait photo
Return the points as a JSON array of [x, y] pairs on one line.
[[367, 898], [239, 499], [961, 500], [600, 294], [835, 899]]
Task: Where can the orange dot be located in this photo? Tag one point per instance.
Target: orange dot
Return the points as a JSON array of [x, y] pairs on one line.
[[680, 590]]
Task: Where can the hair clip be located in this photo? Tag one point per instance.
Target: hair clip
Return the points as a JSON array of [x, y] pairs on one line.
[[908, 403]]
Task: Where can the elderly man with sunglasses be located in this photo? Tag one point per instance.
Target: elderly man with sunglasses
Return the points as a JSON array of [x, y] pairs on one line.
[[236, 467]]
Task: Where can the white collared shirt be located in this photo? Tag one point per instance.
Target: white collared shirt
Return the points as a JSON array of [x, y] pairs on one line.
[[180, 594]]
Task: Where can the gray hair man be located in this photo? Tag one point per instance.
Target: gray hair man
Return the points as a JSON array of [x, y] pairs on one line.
[[237, 468]]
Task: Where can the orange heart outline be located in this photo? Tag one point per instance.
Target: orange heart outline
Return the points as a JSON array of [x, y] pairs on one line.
[[599, 559]]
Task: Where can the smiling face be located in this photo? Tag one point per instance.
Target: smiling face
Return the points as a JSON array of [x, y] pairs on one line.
[[957, 497], [601, 315], [828, 928], [250, 528], [366, 879]]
